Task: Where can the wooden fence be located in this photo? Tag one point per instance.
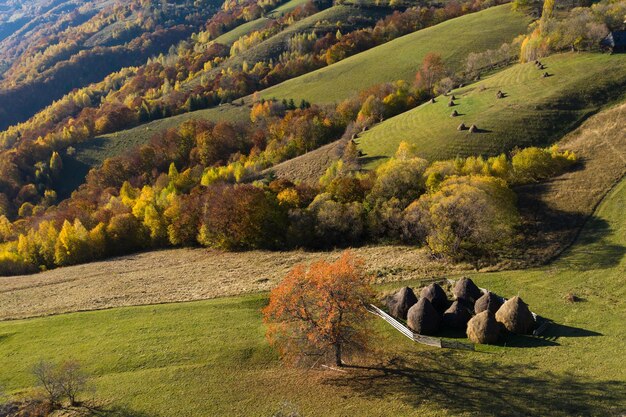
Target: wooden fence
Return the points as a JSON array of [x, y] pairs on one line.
[[424, 340]]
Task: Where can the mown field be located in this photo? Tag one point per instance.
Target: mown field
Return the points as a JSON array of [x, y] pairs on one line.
[[535, 110], [211, 357], [400, 59]]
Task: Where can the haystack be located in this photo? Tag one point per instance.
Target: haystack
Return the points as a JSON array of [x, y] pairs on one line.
[[453, 97], [466, 291], [451, 103], [454, 113], [436, 295], [456, 316], [422, 318], [473, 129], [400, 303], [488, 301], [483, 328], [461, 127], [432, 101], [515, 316]]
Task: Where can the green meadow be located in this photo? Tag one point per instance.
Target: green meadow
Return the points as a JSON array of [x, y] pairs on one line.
[[211, 357]]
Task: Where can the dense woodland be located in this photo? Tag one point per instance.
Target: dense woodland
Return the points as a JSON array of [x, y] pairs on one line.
[[207, 183]]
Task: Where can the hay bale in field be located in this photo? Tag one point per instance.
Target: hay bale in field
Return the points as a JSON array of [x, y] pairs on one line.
[[400, 303], [453, 97], [454, 113], [499, 94], [483, 328], [515, 316], [545, 75], [473, 129], [457, 316], [461, 127], [489, 302], [423, 318], [451, 103], [436, 295], [431, 101], [466, 291], [541, 67]]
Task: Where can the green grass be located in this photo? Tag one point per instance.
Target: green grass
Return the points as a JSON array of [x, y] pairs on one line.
[[230, 37], [535, 111], [211, 358], [287, 7], [400, 58]]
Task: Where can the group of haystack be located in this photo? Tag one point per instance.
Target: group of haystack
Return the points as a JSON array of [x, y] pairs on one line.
[[483, 314]]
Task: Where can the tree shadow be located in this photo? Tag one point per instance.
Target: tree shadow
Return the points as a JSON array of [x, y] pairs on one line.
[[5, 336], [114, 411], [364, 160], [460, 384]]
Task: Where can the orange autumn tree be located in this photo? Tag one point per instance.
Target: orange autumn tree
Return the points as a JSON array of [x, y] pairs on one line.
[[320, 311]]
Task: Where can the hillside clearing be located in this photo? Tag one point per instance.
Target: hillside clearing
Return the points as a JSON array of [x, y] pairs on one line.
[[214, 354], [536, 110], [184, 275], [399, 59]]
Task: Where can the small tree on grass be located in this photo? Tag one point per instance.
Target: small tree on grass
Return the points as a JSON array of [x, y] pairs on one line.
[[65, 380], [320, 311]]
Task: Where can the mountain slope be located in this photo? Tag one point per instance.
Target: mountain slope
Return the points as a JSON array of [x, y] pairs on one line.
[[400, 58], [535, 111]]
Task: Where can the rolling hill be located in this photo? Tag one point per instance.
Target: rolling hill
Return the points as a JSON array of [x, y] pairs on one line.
[[142, 357], [405, 60], [400, 58], [535, 110]]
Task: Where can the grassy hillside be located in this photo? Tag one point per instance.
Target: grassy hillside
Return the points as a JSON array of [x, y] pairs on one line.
[[212, 355], [400, 58], [230, 37], [374, 68], [535, 111], [95, 151]]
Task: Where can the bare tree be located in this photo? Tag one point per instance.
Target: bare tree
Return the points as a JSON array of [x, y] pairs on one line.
[[65, 380]]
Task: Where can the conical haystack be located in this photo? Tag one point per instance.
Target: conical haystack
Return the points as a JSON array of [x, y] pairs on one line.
[[483, 328], [488, 301], [401, 302], [436, 295], [515, 316], [422, 318], [456, 316], [467, 291]]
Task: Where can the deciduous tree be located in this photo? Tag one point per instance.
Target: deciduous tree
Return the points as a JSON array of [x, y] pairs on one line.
[[320, 311]]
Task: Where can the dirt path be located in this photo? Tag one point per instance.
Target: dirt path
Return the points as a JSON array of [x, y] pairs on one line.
[[561, 206]]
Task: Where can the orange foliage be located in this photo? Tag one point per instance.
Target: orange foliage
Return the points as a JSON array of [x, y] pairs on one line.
[[320, 311]]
